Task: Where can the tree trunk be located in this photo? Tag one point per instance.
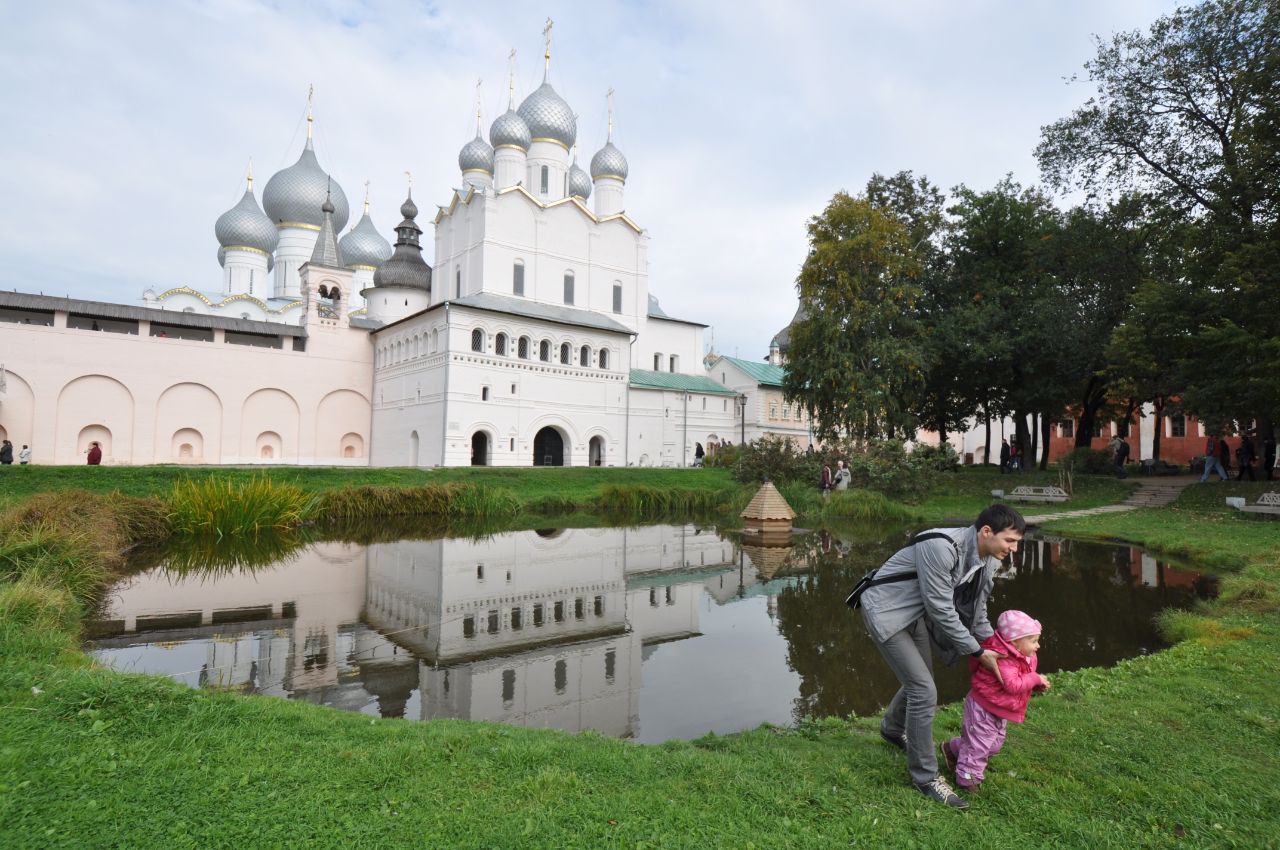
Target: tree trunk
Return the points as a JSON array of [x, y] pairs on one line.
[[1092, 399], [986, 447], [1035, 435], [1046, 425], [1020, 435], [1157, 406]]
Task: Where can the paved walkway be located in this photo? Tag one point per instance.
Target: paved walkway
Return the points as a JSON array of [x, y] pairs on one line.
[[1150, 493]]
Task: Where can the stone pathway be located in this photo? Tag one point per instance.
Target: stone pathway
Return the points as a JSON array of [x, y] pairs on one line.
[[1150, 493]]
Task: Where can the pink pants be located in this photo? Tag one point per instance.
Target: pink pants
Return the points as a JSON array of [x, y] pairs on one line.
[[981, 738]]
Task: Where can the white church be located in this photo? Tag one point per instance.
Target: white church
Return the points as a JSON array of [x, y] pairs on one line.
[[532, 339]]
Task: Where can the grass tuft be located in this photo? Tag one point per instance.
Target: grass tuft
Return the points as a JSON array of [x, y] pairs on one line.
[[219, 507], [642, 502]]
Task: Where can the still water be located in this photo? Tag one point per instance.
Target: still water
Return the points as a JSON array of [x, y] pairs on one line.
[[644, 633]]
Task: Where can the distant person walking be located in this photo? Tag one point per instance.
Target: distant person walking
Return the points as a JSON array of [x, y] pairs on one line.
[[24, 456], [6, 453], [1224, 455], [827, 481], [1004, 456], [95, 453], [1245, 456], [843, 476], [1211, 462], [1121, 456], [1269, 456], [698, 454]]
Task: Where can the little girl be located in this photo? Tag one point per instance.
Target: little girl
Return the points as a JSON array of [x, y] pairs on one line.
[[990, 704]]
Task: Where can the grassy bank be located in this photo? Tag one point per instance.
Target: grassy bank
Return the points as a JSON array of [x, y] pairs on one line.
[[1174, 749]]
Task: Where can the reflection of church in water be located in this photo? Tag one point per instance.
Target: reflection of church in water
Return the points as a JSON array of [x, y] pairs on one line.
[[533, 628]]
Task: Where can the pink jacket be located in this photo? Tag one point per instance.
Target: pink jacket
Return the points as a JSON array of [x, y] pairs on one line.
[[1020, 678]]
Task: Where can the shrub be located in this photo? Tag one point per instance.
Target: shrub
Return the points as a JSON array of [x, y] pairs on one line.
[[942, 458], [775, 459], [1086, 461], [885, 467]]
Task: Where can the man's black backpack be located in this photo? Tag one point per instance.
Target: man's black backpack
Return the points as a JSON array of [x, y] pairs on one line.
[[854, 599]]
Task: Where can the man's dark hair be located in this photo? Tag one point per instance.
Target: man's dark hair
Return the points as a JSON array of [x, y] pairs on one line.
[[1000, 518]]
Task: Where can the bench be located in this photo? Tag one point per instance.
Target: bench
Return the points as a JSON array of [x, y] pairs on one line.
[[1028, 493], [1268, 503]]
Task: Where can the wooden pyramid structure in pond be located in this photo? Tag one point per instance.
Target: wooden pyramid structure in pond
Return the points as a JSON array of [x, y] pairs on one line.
[[768, 512]]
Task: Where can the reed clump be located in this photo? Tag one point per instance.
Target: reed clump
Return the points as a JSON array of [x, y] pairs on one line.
[[641, 502], [220, 507], [866, 504], [454, 500]]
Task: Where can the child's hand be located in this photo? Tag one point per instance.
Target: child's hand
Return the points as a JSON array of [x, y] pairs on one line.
[[1044, 685]]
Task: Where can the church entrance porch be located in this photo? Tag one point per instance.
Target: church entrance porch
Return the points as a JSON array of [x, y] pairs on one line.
[[595, 451], [479, 449], [548, 448]]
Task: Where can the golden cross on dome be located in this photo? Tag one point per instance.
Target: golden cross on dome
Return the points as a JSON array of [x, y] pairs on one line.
[[249, 177], [479, 82]]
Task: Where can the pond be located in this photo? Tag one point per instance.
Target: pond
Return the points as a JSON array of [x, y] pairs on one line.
[[645, 633]]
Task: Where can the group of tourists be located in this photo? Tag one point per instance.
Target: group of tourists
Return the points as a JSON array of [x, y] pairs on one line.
[[6, 454], [931, 595], [1217, 458], [1012, 455], [834, 479]]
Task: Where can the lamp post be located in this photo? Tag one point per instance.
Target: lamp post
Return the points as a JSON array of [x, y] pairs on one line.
[[742, 412]]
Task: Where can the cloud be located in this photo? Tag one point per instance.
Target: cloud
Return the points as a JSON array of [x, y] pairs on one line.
[[131, 123]]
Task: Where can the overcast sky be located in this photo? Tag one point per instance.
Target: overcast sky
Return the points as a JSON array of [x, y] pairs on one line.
[[128, 125]]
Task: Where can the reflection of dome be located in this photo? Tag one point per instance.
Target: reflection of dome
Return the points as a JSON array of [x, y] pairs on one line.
[[295, 194], [476, 155], [609, 162], [246, 226], [364, 245], [579, 182], [509, 129], [549, 117]]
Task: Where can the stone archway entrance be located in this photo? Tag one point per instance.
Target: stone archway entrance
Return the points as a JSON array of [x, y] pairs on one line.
[[595, 451], [548, 448], [479, 449]]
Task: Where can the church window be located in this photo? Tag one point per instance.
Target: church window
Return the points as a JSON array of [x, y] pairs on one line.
[[773, 410], [477, 340], [565, 356], [1067, 427], [522, 348], [584, 356], [724, 404], [545, 179], [544, 351], [500, 345], [513, 444], [604, 358], [517, 278], [617, 298], [484, 393], [1178, 426], [675, 363], [704, 402], [568, 287], [457, 283], [657, 362]]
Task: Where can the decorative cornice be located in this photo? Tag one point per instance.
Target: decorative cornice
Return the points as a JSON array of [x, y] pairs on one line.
[[552, 141], [301, 225], [600, 177], [512, 147], [246, 248]]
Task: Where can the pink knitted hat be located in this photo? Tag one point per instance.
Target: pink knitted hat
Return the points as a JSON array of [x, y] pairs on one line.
[[1015, 624]]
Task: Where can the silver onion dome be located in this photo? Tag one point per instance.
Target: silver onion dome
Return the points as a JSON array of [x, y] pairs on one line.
[[363, 245], [549, 117], [476, 155], [510, 129], [579, 182], [609, 162], [246, 225], [297, 193]]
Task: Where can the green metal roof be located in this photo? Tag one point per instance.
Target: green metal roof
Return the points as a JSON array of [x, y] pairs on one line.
[[646, 380], [765, 374]]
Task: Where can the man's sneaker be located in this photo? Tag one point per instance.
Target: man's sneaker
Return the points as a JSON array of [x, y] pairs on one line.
[[938, 789], [951, 759], [899, 741]]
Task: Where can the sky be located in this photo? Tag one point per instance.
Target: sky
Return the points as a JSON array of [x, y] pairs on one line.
[[128, 125]]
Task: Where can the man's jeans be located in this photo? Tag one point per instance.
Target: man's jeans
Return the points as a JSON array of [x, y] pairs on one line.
[[912, 708], [1212, 464]]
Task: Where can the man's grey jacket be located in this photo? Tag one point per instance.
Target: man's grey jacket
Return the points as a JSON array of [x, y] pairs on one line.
[[889, 608]]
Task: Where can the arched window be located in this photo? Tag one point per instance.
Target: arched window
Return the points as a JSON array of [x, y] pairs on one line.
[[517, 278], [545, 180], [584, 356], [675, 363], [565, 356], [544, 351], [477, 340], [568, 287], [335, 293], [657, 362], [435, 341], [604, 358], [617, 298], [522, 348], [500, 345]]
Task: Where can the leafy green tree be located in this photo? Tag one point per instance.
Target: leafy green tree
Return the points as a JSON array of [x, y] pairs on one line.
[[1188, 113], [854, 359]]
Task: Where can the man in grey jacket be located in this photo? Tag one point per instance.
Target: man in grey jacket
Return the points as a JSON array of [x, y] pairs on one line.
[[946, 606]]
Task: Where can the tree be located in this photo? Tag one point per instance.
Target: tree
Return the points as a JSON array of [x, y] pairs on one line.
[[1189, 113], [854, 359]]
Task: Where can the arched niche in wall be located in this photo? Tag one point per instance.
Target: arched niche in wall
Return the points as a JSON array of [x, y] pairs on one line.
[[91, 434], [189, 406], [187, 446], [17, 414], [351, 446], [94, 401], [269, 447], [342, 414], [271, 411]]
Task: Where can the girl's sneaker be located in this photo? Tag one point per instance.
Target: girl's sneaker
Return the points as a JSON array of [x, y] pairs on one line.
[[949, 756]]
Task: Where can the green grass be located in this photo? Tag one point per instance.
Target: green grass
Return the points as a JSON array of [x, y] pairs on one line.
[[963, 494], [1172, 749]]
